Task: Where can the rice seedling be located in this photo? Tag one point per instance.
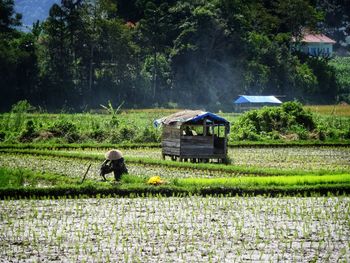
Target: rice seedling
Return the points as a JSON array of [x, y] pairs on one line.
[[151, 228], [248, 161], [304, 158], [160, 229]]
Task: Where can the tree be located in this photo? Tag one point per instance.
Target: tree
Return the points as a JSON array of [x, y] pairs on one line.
[[163, 76], [18, 60], [153, 28], [115, 67], [296, 16], [129, 10], [337, 20], [56, 62], [8, 17], [152, 52], [327, 88], [203, 62]]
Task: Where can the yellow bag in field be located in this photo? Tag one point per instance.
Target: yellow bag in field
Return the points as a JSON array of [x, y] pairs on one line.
[[155, 180]]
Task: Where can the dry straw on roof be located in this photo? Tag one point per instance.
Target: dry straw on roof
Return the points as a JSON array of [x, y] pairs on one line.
[[182, 116]]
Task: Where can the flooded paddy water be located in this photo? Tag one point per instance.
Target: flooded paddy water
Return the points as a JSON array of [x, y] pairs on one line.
[[190, 229]]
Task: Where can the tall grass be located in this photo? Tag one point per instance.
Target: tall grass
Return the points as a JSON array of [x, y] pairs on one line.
[[334, 110]]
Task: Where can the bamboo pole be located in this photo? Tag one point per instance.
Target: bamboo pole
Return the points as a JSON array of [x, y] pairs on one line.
[[87, 170]]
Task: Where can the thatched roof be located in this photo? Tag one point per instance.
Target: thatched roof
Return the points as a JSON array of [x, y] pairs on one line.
[[190, 117]]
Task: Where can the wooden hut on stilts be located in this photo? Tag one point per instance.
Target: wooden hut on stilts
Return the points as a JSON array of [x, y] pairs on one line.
[[194, 135]]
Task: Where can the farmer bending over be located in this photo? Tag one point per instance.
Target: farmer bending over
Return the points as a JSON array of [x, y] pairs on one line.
[[114, 163]]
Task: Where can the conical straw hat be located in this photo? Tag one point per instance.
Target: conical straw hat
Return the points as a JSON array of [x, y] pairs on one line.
[[113, 155]]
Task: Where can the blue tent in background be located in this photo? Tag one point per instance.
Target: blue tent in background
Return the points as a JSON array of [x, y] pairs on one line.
[[245, 102], [257, 99]]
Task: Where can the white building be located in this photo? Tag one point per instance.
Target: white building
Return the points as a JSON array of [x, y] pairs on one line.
[[317, 45]]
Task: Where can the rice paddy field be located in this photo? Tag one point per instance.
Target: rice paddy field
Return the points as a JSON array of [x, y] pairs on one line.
[[187, 229], [272, 203], [289, 159], [192, 228]]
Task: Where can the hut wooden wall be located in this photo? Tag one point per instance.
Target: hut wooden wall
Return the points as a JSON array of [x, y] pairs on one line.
[[197, 146], [220, 145], [176, 144], [171, 140]]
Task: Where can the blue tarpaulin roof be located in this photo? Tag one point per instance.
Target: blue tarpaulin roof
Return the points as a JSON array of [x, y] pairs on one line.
[[190, 116], [257, 99]]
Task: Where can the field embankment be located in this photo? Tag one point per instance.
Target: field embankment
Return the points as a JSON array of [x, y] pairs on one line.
[[268, 171]]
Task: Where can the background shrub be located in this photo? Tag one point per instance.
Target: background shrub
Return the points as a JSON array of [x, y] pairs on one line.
[[2, 136], [29, 132], [62, 127], [271, 122]]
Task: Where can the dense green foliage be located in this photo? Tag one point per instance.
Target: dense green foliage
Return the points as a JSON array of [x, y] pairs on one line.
[[291, 122], [336, 13], [288, 123], [342, 66], [162, 53], [23, 126]]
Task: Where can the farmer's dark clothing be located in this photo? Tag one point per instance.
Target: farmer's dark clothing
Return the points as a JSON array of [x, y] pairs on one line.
[[116, 166]]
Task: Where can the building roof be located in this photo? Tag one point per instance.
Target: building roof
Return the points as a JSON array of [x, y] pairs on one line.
[[316, 38], [257, 99], [190, 117]]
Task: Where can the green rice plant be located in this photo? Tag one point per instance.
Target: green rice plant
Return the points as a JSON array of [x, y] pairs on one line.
[[206, 178], [132, 179], [203, 166], [12, 178]]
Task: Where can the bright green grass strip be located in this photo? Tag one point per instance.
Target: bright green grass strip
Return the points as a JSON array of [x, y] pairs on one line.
[[265, 181], [58, 185], [198, 166], [10, 177]]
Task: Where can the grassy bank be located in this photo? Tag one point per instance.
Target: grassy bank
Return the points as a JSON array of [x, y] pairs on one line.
[[19, 183]]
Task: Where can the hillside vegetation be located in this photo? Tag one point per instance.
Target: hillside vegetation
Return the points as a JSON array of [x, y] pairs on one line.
[[177, 54], [342, 69]]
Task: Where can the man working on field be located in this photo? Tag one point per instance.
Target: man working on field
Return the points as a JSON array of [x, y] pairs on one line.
[[114, 163]]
